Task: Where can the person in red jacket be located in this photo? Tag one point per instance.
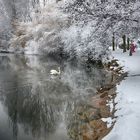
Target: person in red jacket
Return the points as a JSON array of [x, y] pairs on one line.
[[132, 47]]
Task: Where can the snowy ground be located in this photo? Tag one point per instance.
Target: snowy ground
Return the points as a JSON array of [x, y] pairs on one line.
[[127, 126]]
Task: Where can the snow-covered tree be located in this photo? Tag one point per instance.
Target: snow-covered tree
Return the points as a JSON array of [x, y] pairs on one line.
[[84, 27], [105, 18]]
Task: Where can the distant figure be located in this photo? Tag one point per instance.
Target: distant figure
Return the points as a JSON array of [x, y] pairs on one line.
[[132, 47]]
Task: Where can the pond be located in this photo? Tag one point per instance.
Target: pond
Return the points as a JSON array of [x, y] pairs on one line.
[[35, 105]]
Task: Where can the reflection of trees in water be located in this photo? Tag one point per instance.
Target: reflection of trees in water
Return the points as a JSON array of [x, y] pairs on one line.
[[36, 102], [4, 62], [84, 81], [79, 121], [36, 115], [73, 121]]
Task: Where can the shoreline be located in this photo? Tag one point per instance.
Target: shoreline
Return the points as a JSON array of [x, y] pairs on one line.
[[127, 99], [99, 117]]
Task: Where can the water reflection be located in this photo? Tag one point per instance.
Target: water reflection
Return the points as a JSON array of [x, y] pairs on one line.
[[36, 106]]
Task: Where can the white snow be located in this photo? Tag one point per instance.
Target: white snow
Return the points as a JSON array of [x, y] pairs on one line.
[[109, 121], [110, 104], [128, 100]]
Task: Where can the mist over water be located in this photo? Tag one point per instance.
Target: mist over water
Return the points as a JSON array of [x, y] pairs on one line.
[[35, 105]]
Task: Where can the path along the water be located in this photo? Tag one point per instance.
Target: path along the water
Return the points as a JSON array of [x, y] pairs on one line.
[[128, 99]]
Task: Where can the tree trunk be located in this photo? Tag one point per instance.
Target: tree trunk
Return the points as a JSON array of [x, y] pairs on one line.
[[124, 43], [128, 43], [113, 42], [116, 44]]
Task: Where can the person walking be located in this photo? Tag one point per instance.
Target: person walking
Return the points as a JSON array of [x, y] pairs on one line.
[[132, 47]]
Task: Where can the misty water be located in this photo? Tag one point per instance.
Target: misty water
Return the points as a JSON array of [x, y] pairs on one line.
[[35, 105]]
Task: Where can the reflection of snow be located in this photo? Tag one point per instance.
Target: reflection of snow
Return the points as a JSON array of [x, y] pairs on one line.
[[128, 99]]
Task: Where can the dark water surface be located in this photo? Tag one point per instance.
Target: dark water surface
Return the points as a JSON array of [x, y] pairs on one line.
[[35, 105]]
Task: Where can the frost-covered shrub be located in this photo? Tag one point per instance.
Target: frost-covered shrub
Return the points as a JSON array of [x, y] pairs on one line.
[[86, 46], [41, 34], [82, 29]]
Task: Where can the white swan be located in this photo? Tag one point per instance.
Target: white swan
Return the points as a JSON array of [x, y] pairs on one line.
[[55, 72]]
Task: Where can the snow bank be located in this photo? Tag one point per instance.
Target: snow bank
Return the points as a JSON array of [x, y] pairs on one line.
[[128, 100], [131, 63]]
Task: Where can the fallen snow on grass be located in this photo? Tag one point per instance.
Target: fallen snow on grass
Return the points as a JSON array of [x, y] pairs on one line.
[[128, 99]]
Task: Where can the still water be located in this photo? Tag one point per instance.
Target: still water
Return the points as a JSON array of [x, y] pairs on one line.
[[35, 105]]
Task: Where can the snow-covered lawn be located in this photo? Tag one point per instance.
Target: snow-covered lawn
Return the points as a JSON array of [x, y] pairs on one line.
[[127, 125]]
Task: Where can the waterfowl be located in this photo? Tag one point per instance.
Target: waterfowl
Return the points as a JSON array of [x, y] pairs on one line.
[[55, 72]]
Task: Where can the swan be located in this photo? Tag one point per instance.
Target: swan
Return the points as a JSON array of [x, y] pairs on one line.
[[55, 72]]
